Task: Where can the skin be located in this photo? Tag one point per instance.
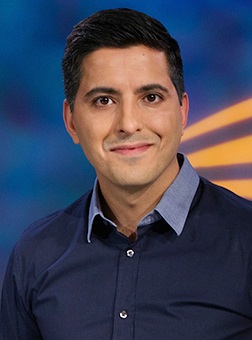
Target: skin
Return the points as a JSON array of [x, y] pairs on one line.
[[129, 122]]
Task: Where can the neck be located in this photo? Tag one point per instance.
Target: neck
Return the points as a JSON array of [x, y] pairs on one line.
[[126, 210], [127, 206]]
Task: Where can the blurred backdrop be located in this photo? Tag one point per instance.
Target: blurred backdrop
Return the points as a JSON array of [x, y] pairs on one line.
[[42, 171]]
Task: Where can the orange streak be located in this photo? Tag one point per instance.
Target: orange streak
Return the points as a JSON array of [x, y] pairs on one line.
[[231, 115], [237, 151]]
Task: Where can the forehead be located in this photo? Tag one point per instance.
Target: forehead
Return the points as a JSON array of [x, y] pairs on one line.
[[138, 50], [135, 62]]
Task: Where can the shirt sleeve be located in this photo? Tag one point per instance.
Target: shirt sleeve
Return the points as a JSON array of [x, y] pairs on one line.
[[16, 321]]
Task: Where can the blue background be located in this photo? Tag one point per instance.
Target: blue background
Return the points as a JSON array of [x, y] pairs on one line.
[[41, 169]]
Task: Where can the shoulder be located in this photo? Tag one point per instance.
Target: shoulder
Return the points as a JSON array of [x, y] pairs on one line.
[[223, 207], [60, 220], [49, 237], [226, 198], [221, 219], [44, 246]]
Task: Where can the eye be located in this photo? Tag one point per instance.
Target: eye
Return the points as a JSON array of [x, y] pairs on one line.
[[103, 101], [152, 98]]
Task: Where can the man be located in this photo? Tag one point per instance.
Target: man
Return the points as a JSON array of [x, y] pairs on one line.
[[154, 251]]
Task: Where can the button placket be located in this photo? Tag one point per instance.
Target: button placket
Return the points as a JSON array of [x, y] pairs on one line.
[[125, 294]]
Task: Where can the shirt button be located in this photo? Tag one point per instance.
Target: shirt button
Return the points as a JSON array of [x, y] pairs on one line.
[[130, 253], [123, 314]]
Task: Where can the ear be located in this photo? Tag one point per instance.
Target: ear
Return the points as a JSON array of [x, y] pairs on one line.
[[184, 110], [69, 122]]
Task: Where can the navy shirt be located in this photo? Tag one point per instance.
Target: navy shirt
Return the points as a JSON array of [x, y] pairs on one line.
[[166, 285]]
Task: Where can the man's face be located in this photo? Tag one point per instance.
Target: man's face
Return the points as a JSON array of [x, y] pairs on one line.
[[127, 117]]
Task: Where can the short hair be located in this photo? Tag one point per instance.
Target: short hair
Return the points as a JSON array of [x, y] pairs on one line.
[[118, 28]]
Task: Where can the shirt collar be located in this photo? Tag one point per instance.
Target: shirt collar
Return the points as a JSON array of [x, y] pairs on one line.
[[177, 199], [173, 206]]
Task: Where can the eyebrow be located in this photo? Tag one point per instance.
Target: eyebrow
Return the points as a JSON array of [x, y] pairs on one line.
[[101, 89], [111, 90], [151, 87]]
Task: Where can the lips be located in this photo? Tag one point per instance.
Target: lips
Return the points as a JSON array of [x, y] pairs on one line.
[[131, 149]]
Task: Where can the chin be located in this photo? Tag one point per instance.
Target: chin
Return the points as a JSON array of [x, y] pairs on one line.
[[134, 183]]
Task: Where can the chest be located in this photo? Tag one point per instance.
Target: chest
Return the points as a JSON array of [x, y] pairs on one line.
[[155, 287]]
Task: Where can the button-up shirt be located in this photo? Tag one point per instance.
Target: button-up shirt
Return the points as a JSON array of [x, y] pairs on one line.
[[187, 276]]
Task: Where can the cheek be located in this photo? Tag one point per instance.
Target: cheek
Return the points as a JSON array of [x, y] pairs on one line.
[[91, 139], [166, 125], [169, 131]]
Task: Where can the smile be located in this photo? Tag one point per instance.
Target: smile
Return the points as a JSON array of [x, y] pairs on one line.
[[131, 150]]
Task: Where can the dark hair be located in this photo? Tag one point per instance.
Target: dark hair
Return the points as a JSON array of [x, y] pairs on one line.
[[118, 28]]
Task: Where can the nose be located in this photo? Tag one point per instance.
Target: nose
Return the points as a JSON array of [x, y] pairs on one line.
[[129, 118]]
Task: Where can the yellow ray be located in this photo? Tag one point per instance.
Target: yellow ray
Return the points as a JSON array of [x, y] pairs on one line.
[[231, 115], [238, 151], [242, 187]]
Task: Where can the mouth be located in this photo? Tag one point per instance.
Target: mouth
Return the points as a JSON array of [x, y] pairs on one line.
[[131, 149]]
